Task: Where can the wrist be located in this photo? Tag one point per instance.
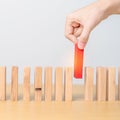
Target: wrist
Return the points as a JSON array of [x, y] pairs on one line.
[[109, 7], [105, 8]]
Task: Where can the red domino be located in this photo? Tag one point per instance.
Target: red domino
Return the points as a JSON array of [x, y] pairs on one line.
[[78, 62]]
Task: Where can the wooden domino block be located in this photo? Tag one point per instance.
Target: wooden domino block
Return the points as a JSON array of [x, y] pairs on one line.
[[89, 83], [118, 83], [26, 84], [68, 83], [48, 84], [111, 84], [78, 62], [38, 83], [58, 83], [101, 78], [2, 83], [14, 84]]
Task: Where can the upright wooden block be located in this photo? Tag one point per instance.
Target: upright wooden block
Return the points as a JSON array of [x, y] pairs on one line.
[[111, 84], [101, 78], [68, 83], [89, 83], [14, 84], [48, 84], [58, 83], [2, 83], [118, 83], [38, 83], [26, 84], [78, 62]]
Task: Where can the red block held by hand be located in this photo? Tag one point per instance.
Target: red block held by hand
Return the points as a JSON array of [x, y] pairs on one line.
[[78, 62]]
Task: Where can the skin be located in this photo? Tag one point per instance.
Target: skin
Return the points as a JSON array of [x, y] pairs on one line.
[[80, 23]]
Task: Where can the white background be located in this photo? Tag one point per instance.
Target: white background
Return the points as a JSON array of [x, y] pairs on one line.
[[32, 34]]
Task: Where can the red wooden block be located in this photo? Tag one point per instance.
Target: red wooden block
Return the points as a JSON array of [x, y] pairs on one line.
[[78, 62]]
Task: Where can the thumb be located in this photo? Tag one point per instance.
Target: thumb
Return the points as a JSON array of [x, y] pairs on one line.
[[82, 40]]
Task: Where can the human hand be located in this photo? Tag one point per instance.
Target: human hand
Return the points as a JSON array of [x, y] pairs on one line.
[[80, 23]]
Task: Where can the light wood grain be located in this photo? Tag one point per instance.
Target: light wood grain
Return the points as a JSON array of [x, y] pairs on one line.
[[38, 83], [58, 83], [14, 83], [111, 84], [118, 83], [101, 79], [26, 84], [2, 83], [89, 85], [48, 84], [75, 110], [68, 75]]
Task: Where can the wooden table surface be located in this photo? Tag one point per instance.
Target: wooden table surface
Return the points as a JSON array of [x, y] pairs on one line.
[[60, 110], [75, 110]]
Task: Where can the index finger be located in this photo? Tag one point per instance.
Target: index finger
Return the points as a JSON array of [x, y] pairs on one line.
[[69, 30]]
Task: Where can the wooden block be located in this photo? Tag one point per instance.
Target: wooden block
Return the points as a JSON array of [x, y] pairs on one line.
[[58, 83], [78, 62], [38, 83], [111, 84], [89, 83], [101, 78], [2, 83], [68, 83], [14, 84], [48, 84], [118, 83], [26, 84]]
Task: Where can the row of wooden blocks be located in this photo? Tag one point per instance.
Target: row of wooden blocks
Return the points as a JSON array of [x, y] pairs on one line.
[[105, 83], [38, 88]]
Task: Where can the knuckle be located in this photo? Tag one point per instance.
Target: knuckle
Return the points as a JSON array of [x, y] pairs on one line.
[[84, 37]]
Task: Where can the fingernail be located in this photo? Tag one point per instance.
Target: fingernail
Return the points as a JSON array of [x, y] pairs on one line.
[[81, 45]]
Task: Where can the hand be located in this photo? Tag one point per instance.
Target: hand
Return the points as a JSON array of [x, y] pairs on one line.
[[80, 23]]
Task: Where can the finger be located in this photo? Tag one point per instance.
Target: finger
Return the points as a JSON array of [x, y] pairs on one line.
[[81, 45], [72, 38], [69, 29], [83, 39], [75, 24], [78, 31]]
